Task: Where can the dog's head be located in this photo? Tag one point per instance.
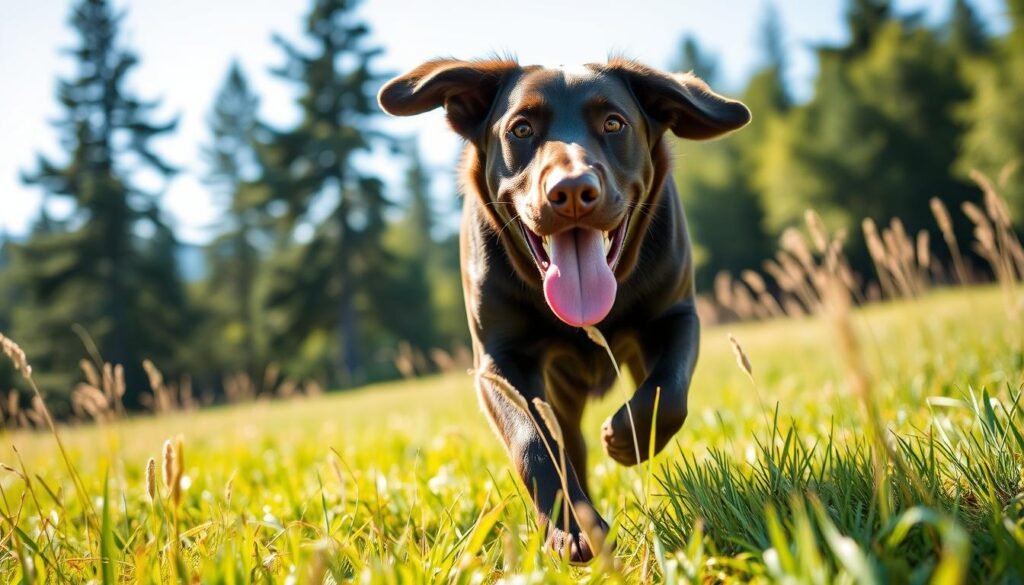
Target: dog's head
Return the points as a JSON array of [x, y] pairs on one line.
[[566, 156]]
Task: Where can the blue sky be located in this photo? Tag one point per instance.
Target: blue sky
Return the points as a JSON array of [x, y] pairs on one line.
[[186, 45]]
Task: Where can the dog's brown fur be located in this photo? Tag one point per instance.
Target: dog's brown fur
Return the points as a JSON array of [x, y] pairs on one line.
[[652, 326]]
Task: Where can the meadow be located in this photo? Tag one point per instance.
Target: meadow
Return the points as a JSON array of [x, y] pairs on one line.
[[773, 477]]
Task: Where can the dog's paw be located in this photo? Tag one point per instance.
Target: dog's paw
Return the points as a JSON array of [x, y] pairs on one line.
[[623, 445], [575, 544], [617, 439]]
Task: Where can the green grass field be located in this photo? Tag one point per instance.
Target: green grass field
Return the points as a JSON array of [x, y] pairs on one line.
[[777, 480]]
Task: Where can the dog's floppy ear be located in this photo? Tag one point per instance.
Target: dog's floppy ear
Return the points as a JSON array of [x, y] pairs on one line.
[[682, 103], [465, 89]]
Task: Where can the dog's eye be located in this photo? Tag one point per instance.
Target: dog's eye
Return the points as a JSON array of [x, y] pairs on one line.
[[522, 130], [613, 124]]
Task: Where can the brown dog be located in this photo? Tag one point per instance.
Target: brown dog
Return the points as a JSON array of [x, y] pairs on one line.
[[570, 219]]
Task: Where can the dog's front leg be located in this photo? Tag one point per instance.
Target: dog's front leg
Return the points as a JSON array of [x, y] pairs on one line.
[[669, 344], [531, 445]]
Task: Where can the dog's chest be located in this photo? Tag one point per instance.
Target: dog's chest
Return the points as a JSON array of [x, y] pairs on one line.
[[583, 367]]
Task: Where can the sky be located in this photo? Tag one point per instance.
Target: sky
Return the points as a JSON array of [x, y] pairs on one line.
[[186, 46]]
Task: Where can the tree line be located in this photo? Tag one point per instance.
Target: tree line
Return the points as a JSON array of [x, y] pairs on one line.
[[901, 112], [315, 272], [319, 271]]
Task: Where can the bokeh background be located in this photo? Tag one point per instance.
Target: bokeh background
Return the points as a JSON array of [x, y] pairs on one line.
[[207, 192]]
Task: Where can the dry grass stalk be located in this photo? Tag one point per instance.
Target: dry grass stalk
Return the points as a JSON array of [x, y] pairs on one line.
[[924, 257], [108, 381], [89, 400], [312, 388], [92, 376], [770, 305], [17, 356], [186, 400], [744, 304], [162, 399], [819, 235], [763, 303], [741, 358], [547, 414], [876, 249], [119, 385], [997, 242], [151, 479], [240, 388], [754, 281], [14, 353], [506, 389], [723, 290], [167, 468], [270, 376], [793, 242], [228, 489], [179, 467]]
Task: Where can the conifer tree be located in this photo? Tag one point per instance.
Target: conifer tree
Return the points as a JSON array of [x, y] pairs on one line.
[[322, 284], [233, 257], [994, 141], [878, 137], [109, 266]]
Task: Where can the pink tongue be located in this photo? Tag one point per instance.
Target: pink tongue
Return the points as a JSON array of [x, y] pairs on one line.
[[579, 285]]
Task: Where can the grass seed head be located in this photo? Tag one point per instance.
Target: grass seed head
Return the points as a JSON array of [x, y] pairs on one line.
[[92, 376], [156, 379], [14, 353], [923, 251], [228, 488], [507, 391], [974, 212], [179, 467], [151, 479], [741, 357], [547, 414], [942, 217], [754, 281], [794, 243], [108, 380], [817, 228], [168, 467]]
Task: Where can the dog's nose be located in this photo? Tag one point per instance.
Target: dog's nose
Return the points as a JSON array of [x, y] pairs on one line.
[[573, 195]]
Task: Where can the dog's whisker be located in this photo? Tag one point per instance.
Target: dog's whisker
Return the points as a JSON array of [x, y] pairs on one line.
[[507, 223]]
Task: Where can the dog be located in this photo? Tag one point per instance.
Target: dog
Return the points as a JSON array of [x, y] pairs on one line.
[[570, 219]]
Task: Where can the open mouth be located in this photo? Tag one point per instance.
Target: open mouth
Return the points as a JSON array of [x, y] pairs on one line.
[[578, 267], [540, 246]]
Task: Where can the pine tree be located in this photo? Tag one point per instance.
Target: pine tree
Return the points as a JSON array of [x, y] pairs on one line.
[[409, 303], [878, 138], [966, 32], [109, 266], [772, 73], [322, 285], [7, 303], [713, 179], [864, 19], [233, 257], [692, 59], [420, 214], [994, 142]]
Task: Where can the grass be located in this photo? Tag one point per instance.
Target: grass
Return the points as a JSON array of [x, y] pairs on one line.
[[774, 480]]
